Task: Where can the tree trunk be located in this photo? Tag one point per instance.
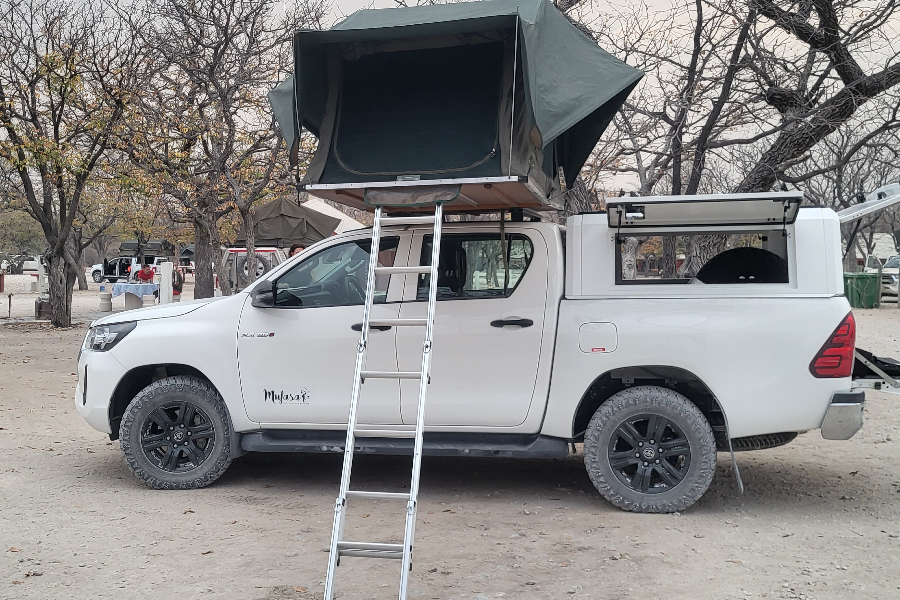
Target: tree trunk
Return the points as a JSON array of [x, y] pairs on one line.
[[247, 217], [703, 248], [669, 259], [61, 283], [629, 258], [204, 259]]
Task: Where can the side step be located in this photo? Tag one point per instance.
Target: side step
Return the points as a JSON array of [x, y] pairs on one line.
[[435, 444]]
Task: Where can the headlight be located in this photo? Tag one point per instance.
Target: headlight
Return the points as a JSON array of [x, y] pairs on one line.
[[104, 337]]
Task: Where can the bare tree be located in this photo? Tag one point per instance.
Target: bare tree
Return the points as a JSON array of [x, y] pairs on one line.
[[203, 132], [66, 76]]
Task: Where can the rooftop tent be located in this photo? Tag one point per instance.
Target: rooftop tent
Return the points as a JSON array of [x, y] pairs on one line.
[[283, 223], [151, 247], [499, 97]]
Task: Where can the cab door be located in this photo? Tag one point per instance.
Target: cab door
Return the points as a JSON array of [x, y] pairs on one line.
[[296, 359], [488, 329]]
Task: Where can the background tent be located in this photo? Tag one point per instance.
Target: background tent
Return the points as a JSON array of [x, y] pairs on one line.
[[283, 223], [347, 223], [507, 92]]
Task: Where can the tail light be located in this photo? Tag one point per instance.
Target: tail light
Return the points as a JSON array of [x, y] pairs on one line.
[[835, 359]]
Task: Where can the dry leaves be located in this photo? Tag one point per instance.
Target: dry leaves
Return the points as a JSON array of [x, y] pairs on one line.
[[297, 588], [189, 510], [14, 549], [207, 552]]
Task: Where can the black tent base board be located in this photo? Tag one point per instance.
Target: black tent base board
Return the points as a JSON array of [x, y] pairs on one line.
[[477, 194]]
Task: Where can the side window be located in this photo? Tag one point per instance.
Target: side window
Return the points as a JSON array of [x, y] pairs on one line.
[[727, 258], [472, 265], [336, 276]]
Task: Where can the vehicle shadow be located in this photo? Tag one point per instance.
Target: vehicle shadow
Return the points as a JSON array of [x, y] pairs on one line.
[[775, 481]]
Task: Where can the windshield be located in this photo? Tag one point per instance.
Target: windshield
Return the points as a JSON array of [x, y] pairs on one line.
[[892, 263]]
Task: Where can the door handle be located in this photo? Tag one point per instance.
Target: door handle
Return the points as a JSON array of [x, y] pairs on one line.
[[509, 322], [358, 327]]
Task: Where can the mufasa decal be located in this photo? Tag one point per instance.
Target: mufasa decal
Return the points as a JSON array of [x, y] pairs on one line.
[[302, 396]]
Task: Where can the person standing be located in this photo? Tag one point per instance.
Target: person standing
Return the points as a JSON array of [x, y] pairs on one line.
[[296, 249]]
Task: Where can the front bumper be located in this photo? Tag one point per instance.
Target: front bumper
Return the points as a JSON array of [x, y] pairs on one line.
[[98, 375], [845, 415]]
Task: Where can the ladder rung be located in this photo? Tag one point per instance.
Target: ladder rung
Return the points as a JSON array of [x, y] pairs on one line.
[[390, 375], [398, 322], [378, 495], [401, 270], [371, 553], [385, 433], [420, 220], [347, 545]]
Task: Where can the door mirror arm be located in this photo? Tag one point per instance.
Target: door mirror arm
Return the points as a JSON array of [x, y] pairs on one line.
[[263, 295]]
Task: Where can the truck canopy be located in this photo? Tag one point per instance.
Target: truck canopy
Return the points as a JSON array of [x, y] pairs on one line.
[[499, 88]]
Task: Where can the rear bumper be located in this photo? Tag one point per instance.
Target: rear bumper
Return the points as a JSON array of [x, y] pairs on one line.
[[845, 415]]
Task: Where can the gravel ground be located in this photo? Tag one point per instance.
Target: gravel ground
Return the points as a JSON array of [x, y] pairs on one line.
[[819, 519]]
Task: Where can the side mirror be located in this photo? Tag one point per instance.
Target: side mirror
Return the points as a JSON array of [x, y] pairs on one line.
[[263, 295]]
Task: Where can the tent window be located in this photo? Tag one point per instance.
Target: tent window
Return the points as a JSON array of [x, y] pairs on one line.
[[336, 276], [735, 258], [471, 266], [421, 111]]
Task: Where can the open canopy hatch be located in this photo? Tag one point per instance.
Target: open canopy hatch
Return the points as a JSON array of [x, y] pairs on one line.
[[502, 99], [772, 208]]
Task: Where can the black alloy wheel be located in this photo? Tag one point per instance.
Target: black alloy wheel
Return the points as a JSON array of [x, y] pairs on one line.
[[177, 437], [176, 434], [649, 454], [650, 449]]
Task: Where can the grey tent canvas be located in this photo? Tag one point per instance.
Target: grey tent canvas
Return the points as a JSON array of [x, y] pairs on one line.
[[282, 223], [502, 97]]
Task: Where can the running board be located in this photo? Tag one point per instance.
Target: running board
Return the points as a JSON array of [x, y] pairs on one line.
[[435, 444]]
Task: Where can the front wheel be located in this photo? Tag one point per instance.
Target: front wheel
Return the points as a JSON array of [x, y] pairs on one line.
[[649, 449], [97, 276], [176, 434]]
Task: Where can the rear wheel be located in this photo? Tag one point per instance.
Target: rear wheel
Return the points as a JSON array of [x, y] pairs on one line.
[[649, 449], [176, 434]]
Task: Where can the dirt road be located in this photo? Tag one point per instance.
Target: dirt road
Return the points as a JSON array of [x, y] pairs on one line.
[[819, 520]]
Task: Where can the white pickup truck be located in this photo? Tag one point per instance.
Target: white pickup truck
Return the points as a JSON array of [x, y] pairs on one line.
[[588, 334]]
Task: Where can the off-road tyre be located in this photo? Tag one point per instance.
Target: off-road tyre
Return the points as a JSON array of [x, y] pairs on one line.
[[97, 276], [170, 394], [263, 266], [683, 418]]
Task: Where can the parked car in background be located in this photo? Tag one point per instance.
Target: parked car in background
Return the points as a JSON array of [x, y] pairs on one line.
[[890, 276], [122, 268]]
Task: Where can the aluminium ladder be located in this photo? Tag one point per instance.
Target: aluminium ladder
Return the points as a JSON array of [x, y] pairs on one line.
[[339, 546]]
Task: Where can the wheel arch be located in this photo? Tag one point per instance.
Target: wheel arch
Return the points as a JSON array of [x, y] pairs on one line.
[[677, 379], [137, 379]]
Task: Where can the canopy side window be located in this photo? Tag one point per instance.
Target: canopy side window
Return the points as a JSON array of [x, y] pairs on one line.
[[712, 259]]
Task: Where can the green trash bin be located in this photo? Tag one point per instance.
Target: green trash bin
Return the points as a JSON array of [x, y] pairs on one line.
[[863, 290]]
